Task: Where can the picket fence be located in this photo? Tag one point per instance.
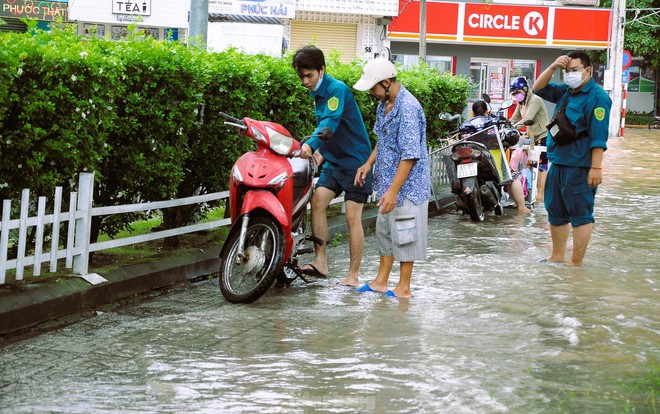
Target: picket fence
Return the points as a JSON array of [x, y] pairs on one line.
[[77, 222]]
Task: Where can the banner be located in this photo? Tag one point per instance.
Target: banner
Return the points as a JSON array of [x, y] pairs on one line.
[[38, 10]]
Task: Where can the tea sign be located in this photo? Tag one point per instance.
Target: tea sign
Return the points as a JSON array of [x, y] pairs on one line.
[[137, 7]]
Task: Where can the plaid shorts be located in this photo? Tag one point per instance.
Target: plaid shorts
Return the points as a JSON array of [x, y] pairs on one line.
[[402, 233]]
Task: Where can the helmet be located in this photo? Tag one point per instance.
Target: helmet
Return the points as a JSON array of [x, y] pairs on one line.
[[374, 71], [518, 83], [510, 137]]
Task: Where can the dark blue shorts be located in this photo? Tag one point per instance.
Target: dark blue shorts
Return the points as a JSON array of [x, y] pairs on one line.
[[568, 197], [343, 181]]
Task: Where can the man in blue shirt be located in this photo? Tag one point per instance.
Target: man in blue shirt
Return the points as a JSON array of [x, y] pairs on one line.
[[347, 149], [402, 177], [576, 167]]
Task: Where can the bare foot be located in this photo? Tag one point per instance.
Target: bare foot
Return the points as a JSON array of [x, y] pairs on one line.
[[350, 281], [402, 294], [573, 264], [523, 210], [551, 259]]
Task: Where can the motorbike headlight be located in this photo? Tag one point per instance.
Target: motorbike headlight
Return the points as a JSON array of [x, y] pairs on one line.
[[281, 144]]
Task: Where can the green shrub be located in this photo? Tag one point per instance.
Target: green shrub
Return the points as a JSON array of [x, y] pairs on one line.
[[634, 118], [143, 114]]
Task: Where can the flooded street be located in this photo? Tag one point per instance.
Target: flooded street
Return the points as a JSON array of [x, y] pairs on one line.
[[489, 330]]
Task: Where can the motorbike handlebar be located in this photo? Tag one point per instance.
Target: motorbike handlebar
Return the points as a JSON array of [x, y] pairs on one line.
[[230, 118]]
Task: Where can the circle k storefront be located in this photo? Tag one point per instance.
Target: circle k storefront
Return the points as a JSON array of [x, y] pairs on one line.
[[494, 43]]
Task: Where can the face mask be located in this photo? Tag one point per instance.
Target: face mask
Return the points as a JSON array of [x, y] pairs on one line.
[[520, 97], [573, 79], [318, 84]]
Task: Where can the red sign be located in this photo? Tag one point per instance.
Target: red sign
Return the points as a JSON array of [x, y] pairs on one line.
[[492, 21], [627, 59], [504, 24]]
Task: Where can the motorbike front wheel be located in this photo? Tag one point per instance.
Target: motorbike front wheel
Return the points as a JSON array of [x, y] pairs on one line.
[[245, 279], [655, 124], [475, 208]]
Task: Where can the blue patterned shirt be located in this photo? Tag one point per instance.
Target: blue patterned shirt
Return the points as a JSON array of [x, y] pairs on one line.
[[402, 136]]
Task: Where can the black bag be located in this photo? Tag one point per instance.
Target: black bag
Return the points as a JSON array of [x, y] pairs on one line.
[[561, 129]]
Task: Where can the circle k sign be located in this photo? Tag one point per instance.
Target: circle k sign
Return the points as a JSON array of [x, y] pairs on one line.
[[505, 21]]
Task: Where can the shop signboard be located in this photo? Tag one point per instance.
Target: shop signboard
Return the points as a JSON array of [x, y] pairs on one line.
[[149, 13], [38, 10], [254, 8], [518, 25]]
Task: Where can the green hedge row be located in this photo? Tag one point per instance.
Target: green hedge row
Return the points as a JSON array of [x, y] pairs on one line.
[[638, 119], [142, 114]]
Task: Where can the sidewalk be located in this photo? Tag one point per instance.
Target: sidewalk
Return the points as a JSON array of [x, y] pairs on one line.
[[41, 306]]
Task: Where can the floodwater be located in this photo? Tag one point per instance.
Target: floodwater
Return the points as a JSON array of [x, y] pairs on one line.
[[488, 331]]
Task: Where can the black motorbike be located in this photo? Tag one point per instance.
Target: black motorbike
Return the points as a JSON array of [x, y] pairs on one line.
[[480, 168]]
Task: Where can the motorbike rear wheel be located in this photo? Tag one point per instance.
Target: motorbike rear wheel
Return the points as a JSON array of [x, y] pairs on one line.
[[245, 279], [475, 207]]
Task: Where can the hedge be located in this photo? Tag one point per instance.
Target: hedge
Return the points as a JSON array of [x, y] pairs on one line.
[[142, 114]]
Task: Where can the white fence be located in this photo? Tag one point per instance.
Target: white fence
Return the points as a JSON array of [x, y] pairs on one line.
[[78, 220], [78, 224]]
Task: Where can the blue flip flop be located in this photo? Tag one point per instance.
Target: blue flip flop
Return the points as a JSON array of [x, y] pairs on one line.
[[390, 294], [365, 288]]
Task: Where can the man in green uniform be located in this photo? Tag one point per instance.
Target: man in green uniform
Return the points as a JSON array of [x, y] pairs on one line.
[[346, 151], [575, 166]]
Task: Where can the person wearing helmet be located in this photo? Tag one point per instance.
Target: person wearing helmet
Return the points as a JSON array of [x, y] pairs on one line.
[[531, 107], [347, 150], [402, 177]]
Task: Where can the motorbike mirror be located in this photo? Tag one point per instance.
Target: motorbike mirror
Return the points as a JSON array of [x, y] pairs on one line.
[[325, 134], [506, 104], [485, 98], [529, 122]]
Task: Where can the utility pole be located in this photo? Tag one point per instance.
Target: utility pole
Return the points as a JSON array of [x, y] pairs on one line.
[[422, 31], [198, 23], [615, 64]]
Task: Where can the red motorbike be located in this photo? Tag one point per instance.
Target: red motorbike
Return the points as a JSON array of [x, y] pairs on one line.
[[268, 195]]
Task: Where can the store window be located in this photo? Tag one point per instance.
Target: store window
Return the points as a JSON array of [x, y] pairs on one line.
[[493, 76], [526, 68], [92, 29], [441, 63]]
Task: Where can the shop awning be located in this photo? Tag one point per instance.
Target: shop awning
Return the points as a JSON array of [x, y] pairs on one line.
[[234, 18]]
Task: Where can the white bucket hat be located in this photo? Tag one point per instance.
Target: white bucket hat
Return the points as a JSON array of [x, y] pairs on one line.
[[374, 71]]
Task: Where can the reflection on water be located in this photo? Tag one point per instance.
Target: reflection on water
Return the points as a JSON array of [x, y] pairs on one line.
[[489, 330]]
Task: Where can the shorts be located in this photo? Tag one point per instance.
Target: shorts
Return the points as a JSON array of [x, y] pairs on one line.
[[568, 196], [343, 181], [402, 233]]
